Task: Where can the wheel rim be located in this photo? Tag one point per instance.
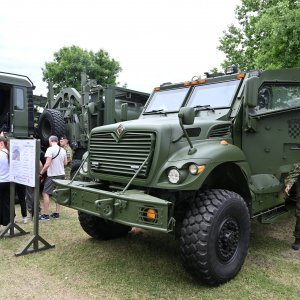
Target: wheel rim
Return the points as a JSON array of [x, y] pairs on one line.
[[228, 239]]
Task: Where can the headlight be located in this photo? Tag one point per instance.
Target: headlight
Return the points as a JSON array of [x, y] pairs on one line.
[[174, 176], [195, 169]]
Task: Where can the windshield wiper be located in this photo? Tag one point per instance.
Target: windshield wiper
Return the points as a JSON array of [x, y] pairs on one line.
[[204, 107], [156, 111]]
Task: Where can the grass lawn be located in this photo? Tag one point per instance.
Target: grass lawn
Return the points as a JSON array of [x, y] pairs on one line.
[[145, 266]]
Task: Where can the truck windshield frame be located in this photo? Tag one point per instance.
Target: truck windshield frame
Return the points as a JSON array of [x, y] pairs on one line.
[[216, 95], [167, 100]]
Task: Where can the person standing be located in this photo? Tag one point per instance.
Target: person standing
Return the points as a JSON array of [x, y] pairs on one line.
[[21, 191], [63, 141], [56, 159], [4, 182], [291, 179]]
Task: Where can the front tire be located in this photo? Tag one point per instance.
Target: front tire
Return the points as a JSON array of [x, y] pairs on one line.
[[215, 236], [101, 229]]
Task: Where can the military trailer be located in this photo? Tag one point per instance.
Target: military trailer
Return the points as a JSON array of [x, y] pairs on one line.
[[204, 158]]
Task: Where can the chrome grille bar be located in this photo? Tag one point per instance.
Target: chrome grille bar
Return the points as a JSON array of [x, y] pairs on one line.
[[110, 154]]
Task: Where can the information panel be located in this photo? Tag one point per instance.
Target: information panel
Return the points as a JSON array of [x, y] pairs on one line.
[[22, 161]]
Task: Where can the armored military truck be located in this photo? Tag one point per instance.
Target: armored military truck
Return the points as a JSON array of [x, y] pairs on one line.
[[204, 158]]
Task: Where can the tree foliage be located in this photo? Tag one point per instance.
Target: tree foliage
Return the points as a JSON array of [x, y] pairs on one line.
[[65, 70], [267, 35]]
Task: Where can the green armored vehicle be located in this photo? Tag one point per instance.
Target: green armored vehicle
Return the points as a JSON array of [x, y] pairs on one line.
[[204, 158]]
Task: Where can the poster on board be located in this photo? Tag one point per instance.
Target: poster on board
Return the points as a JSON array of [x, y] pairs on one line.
[[22, 161]]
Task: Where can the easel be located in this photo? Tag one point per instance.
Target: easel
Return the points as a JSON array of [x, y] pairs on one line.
[[33, 243]]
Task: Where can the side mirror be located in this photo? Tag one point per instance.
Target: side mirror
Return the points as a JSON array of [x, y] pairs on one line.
[[251, 91], [124, 112], [187, 115]]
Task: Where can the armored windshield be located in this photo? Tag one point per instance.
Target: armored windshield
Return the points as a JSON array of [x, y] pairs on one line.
[[215, 95], [167, 101]]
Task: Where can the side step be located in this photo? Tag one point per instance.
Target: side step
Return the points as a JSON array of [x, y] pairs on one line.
[[271, 216]]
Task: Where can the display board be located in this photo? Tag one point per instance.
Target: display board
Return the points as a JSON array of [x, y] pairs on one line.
[[22, 161]]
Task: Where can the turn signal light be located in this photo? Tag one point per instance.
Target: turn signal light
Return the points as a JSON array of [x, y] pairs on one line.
[[151, 214]]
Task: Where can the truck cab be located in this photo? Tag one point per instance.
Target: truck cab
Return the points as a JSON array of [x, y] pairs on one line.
[[16, 105]]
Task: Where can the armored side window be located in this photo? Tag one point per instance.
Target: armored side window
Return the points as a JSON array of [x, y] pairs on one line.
[[19, 99], [273, 97]]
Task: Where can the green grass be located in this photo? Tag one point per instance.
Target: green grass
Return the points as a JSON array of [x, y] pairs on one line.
[[145, 266]]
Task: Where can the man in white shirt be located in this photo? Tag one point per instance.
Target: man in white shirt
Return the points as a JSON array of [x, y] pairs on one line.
[[56, 159]]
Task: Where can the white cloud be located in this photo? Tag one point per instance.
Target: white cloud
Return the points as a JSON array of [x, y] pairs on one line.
[[154, 41]]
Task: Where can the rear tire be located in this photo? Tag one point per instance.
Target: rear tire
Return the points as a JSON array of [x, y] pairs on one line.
[[101, 229], [215, 236]]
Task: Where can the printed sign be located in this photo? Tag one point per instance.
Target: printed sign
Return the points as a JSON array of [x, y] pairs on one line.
[[22, 161]]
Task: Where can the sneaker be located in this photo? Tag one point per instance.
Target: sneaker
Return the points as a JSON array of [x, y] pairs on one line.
[[55, 215], [44, 217], [25, 220]]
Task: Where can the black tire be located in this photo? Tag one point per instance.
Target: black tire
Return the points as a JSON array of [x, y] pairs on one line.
[[51, 122], [215, 236], [101, 229]]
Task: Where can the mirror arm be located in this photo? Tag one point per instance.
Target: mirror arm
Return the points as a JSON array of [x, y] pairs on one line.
[[192, 150]]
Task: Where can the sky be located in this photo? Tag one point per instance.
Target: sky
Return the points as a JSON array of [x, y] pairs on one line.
[[155, 41]]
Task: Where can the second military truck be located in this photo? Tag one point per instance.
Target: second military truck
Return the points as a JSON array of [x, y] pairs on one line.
[[204, 158]]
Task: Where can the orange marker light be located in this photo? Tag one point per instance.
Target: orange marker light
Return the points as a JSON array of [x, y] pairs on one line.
[[201, 81], [157, 89], [151, 214], [240, 76], [200, 169], [223, 142]]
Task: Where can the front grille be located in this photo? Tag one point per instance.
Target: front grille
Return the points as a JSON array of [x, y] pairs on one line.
[[110, 155], [220, 131]]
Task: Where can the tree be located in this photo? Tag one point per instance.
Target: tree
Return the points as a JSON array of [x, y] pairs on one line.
[[65, 70], [267, 35]]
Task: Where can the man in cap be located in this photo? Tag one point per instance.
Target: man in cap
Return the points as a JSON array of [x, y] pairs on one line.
[[56, 159], [63, 141]]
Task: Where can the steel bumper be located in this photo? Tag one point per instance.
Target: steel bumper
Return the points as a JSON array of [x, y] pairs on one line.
[[129, 207]]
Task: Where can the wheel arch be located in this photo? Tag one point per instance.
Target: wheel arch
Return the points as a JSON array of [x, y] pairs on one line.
[[229, 176]]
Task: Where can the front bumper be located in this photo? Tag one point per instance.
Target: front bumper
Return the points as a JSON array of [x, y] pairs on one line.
[[128, 208]]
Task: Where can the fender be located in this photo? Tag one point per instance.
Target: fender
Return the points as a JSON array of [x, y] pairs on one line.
[[209, 153]]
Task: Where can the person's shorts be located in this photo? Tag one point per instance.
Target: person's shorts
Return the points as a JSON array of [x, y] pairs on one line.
[[48, 185]]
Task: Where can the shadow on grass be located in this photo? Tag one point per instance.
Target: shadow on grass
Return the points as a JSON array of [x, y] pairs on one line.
[[152, 256]]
